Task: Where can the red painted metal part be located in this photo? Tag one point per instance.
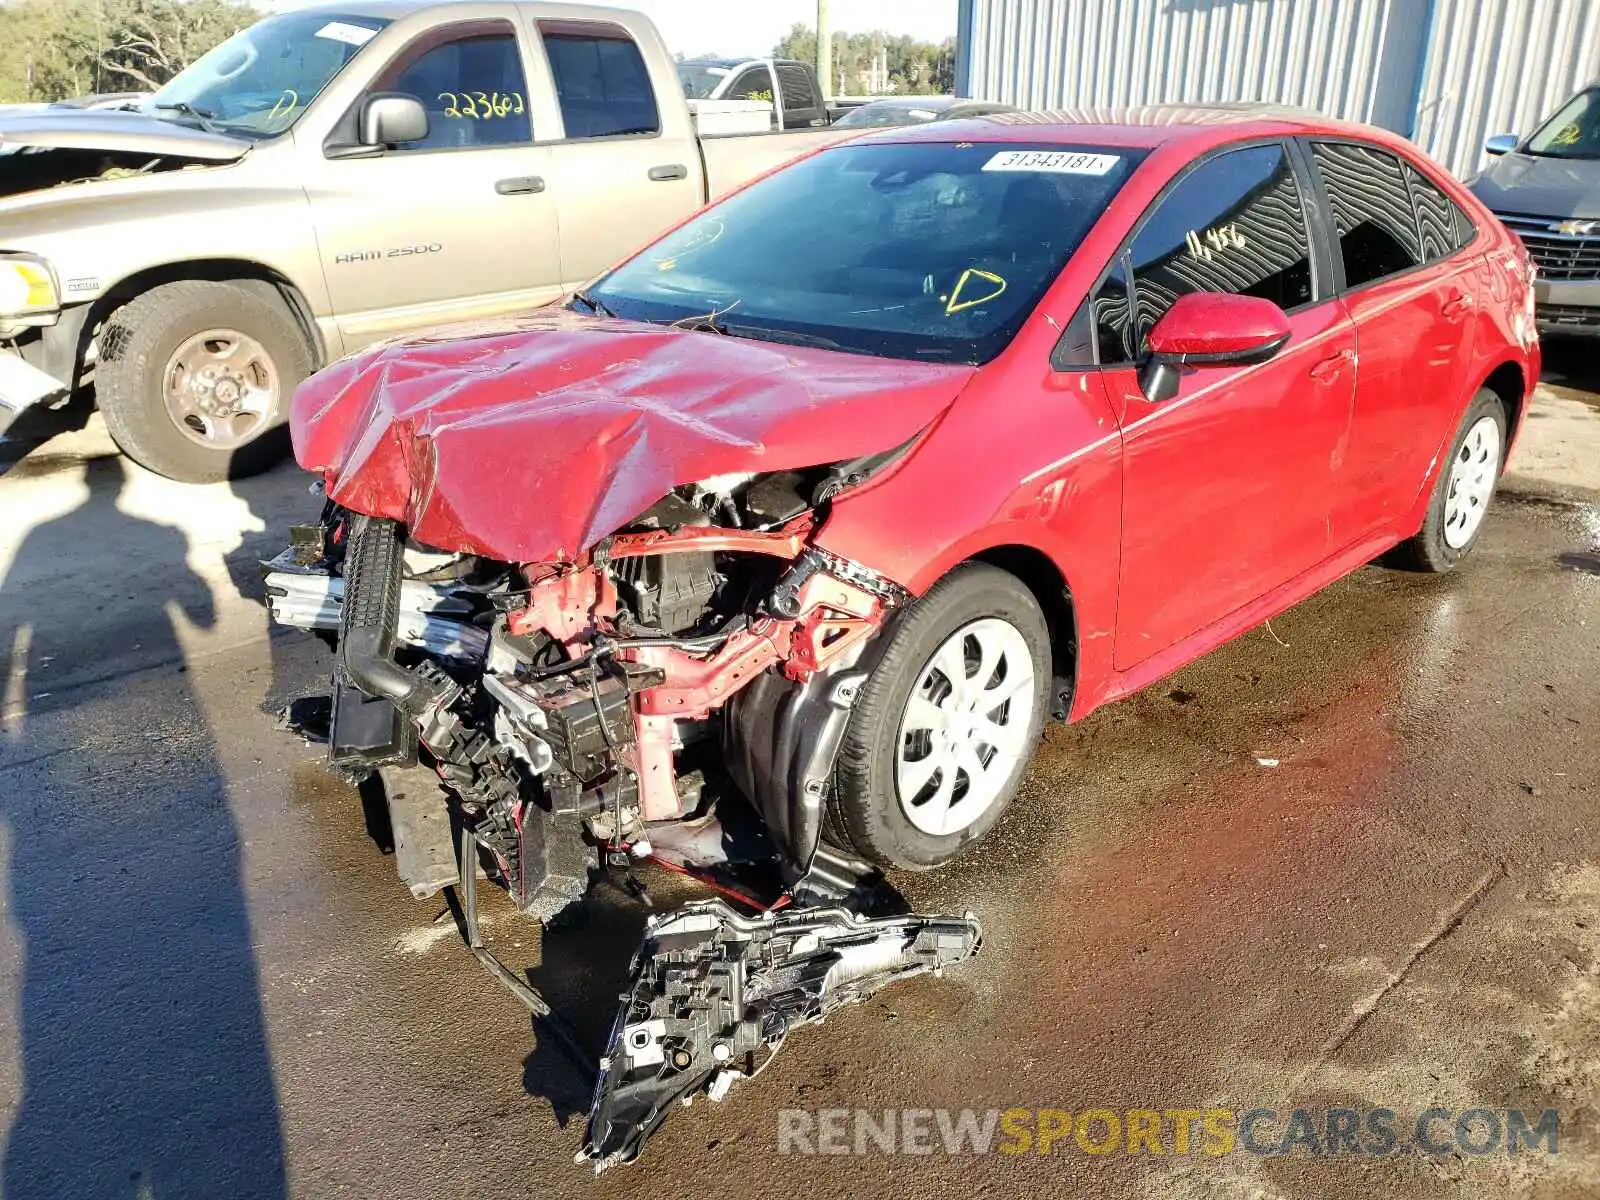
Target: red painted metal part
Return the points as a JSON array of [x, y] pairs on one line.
[[566, 602], [1211, 323], [782, 543]]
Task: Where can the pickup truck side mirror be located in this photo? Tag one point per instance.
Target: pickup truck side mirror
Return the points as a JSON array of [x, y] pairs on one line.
[[389, 118], [1210, 329], [1501, 143]]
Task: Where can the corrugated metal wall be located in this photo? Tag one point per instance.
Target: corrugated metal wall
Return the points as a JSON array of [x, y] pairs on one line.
[[1355, 58], [1448, 72], [1501, 66]]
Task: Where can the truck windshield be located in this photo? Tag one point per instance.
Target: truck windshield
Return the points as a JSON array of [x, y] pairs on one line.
[[259, 81], [1574, 132], [700, 79], [935, 251]]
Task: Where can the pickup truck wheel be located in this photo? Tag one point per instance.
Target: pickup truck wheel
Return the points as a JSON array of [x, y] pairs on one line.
[[194, 378], [1462, 494], [946, 724]]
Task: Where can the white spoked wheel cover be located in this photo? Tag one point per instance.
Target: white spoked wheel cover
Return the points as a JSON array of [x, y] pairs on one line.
[[1472, 476], [965, 727]]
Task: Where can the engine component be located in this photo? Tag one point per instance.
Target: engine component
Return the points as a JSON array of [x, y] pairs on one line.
[[671, 593], [710, 988], [776, 498], [431, 616]]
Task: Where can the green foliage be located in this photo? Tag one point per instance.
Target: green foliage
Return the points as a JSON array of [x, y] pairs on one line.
[[914, 68], [57, 49]]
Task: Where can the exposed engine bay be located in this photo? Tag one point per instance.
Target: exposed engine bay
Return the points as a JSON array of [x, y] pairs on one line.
[[617, 707], [36, 168]]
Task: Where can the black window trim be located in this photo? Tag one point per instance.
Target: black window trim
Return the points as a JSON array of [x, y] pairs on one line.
[[1322, 261], [1405, 161]]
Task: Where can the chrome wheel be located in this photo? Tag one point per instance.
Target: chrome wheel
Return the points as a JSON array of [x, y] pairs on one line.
[[221, 388], [965, 727], [1472, 476]]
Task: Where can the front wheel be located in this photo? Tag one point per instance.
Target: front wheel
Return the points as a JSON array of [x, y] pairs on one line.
[[1464, 489], [946, 724], [194, 378]]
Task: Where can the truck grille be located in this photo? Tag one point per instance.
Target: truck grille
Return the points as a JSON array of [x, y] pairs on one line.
[[1560, 257]]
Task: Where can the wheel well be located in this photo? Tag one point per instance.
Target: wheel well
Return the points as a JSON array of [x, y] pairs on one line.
[[220, 270], [1506, 381], [1049, 587]]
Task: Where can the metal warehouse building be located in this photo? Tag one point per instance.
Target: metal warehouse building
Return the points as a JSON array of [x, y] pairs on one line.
[[1446, 73]]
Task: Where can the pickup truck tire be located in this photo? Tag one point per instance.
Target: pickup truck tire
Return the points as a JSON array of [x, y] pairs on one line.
[[915, 722], [194, 378]]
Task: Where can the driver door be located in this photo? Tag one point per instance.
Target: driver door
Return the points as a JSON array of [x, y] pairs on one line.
[[459, 224], [1229, 486]]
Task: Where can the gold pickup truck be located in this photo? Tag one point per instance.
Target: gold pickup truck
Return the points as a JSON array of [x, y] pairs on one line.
[[331, 176]]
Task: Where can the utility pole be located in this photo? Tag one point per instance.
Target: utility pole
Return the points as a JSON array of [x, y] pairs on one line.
[[824, 51]]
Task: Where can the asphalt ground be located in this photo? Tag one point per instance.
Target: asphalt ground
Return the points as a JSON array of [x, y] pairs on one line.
[[1351, 861]]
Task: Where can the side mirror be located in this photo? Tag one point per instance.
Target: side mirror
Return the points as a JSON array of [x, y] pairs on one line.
[[1501, 143], [1210, 329], [389, 118]]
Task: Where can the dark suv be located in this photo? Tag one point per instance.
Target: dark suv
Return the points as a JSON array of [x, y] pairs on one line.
[[1546, 188]]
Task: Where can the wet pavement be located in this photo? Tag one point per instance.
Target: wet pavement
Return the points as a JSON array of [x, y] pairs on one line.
[[212, 985]]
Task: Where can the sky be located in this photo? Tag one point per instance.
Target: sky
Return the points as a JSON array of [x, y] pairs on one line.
[[749, 28]]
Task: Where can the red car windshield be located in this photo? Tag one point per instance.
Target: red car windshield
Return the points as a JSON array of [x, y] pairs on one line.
[[936, 251]]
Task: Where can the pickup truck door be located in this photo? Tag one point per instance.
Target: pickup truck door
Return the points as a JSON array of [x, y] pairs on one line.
[[459, 224], [623, 168]]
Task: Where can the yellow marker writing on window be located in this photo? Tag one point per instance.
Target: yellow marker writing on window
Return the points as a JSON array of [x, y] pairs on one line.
[[975, 287], [287, 103]]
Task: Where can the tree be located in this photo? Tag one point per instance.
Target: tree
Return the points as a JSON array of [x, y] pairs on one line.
[[914, 68], [56, 49]]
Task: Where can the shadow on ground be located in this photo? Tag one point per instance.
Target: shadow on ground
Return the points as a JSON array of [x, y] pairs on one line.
[[144, 1060]]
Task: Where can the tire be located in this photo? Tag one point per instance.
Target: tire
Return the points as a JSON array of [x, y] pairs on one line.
[[1469, 475], [865, 807], [139, 345]]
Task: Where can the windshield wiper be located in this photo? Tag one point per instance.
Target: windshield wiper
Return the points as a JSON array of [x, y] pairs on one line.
[[788, 337], [207, 119], [583, 297]]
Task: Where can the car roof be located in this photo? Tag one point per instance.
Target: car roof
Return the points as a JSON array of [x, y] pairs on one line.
[[1146, 127]]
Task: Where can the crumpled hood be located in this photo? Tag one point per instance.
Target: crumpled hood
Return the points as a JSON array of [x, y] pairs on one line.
[[529, 440], [1557, 188]]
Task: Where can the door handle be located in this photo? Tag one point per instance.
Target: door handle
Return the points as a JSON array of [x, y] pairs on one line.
[[670, 171], [1329, 367], [519, 185], [1458, 307]]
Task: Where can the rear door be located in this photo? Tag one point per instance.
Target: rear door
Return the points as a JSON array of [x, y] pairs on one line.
[[1409, 286], [800, 104], [623, 171], [1228, 487], [454, 225]]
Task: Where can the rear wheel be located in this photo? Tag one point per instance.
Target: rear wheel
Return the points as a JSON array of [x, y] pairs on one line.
[[1464, 489], [946, 725], [194, 378]]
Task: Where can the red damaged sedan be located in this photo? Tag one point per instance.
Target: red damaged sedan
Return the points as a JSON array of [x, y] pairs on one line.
[[823, 503]]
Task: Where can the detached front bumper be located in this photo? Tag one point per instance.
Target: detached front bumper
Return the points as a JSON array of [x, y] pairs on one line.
[[22, 385]]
